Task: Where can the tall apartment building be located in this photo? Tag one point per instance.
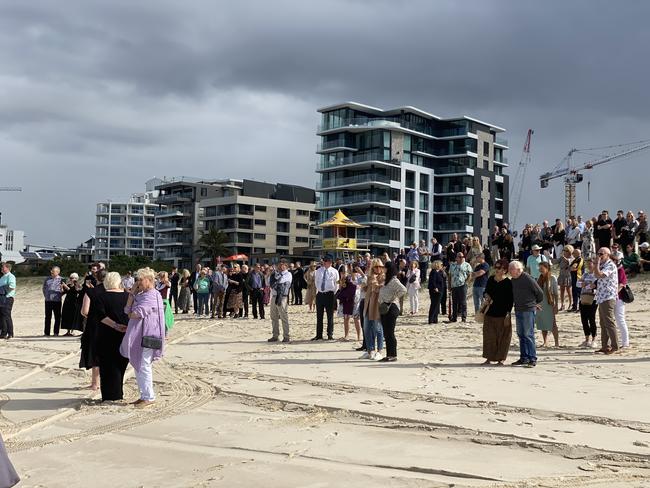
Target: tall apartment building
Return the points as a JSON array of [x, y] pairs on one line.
[[12, 242], [410, 175], [260, 219], [125, 228]]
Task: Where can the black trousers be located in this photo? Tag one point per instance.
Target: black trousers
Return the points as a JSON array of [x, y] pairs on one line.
[[443, 301], [575, 291], [297, 294], [244, 300], [195, 301], [257, 300], [325, 303], [388, 322], [434, 307], [173, 297], [6, 322], [52, 308], [112, 364], [459, 302], [588, 319]]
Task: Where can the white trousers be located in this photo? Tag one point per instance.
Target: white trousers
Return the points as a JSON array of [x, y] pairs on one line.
[[414, 299], [619, 313], [144, 376]]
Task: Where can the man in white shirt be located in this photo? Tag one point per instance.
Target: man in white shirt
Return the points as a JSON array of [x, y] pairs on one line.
[[280, 283], [327, 283]]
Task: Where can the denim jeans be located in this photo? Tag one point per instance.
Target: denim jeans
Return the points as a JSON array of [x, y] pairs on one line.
[[526, 334], [204, 303], [477, 294], [374, 334]]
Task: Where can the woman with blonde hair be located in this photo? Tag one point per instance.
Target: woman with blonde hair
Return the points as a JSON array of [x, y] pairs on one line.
[[372, 328], [545, 318], [474, 251], [185, 294], [310, 296], [144, 340], [564, 278], [559, 238], [413, 286]]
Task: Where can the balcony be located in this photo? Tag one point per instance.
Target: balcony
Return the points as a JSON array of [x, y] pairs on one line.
[[180, 227], [339, 145], [369, 219], [446, 209], [453, 171], [499, 141], [354, 180], [454, 190], [357, 159], [365, 123], [165, 214], [172, 241], [452, 227], [173, 198], [503, 162], [360, 199]]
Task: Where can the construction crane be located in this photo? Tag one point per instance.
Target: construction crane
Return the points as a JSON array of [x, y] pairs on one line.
[[517, 187], [573, 174]]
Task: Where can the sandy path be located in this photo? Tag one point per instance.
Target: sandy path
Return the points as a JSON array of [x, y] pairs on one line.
[[236, 411]]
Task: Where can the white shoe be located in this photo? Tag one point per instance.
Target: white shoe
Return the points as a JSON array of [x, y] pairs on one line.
[[377, 357], [365, 355], [372, 356], [593, 345], [585, 344]]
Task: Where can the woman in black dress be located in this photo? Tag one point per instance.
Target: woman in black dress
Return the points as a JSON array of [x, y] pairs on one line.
[[90, 310], [71, 318], [110, 332]]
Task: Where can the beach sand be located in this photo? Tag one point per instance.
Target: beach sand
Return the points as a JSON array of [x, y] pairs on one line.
[[235, 411]]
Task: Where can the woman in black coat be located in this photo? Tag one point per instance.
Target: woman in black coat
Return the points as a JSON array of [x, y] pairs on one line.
[[437, 284], [71, 318]]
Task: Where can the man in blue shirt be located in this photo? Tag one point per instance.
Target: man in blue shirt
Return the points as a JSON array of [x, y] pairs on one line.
[[7, 294], [53, 294], [481, 274]]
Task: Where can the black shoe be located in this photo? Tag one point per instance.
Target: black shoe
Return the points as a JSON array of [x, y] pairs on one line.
[[530, 364], [360, 348], [286, 340], [272, 339], [330, 338], [519, 362], [316, 338]]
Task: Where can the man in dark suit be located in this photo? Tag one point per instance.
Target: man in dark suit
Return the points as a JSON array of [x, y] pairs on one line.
[[174, 279], [193, 277], [297, 283]]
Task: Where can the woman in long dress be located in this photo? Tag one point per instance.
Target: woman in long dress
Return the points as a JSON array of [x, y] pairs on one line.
[[310, 296], [164, 286], [545, 318], [564, 278], [588, 243], [90, 310], [71, 318], [497, 326]]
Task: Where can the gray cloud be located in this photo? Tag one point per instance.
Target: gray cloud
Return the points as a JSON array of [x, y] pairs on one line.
[[97, 97]]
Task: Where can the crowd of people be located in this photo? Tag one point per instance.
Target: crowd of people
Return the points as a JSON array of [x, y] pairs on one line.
[[125, 319]]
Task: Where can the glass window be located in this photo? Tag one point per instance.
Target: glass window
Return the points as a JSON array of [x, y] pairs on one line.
[[409, 219], [424, 182], [409, 237], [424, 236], [486, 148], [410, 179], [283, 213], [260, 208], [302, 239], [259, 236], [410, 199], [204, 192], [424, 220], [302, 213], [394, 234], [260, 222], [283, 226], [302, 226], [282, 240], [424, 201]]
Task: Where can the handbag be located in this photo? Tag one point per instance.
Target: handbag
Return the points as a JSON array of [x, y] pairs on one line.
[[480, 315], [626, 294], [586, 299], [153, 342], [384, 308]]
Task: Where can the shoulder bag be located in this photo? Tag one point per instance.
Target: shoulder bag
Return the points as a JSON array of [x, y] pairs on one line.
[[153, 342], [485, 306], [626, 294]]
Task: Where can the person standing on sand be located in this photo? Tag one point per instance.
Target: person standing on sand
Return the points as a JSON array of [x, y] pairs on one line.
[[146, 319], [53, 293], [619, 309], [546, 318], [280, 283], [8, 475], [389, 295], [497, 323], [90, 310], [606, 294], [527, 298], [460, 272], [326, 279], [7, 294], [588, 304], [174, 279]]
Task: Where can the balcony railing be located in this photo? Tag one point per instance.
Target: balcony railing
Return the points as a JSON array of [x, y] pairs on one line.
[[501, 141], [359, 198], [391, 124], [356, 158], [173, 198], [452, 208], [452, 189], [370, 219], [449, 170], [324, 146], [351, 180]]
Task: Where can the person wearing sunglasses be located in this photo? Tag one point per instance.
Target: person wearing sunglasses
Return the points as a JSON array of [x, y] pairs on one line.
[[606, 294]]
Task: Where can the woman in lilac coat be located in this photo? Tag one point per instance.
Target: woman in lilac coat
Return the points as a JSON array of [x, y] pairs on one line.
[[146, 318]]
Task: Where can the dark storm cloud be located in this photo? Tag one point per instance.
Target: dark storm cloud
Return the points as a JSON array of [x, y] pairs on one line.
[[121, 90]]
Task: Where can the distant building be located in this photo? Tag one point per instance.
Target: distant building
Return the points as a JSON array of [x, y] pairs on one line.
[[410, 175], [12, 242], [126, 228], [259, 218]]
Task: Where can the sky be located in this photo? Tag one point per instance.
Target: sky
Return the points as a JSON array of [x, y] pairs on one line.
[[97, 97]]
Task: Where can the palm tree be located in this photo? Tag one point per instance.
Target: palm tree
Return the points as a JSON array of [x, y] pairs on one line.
[[212, 244]]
